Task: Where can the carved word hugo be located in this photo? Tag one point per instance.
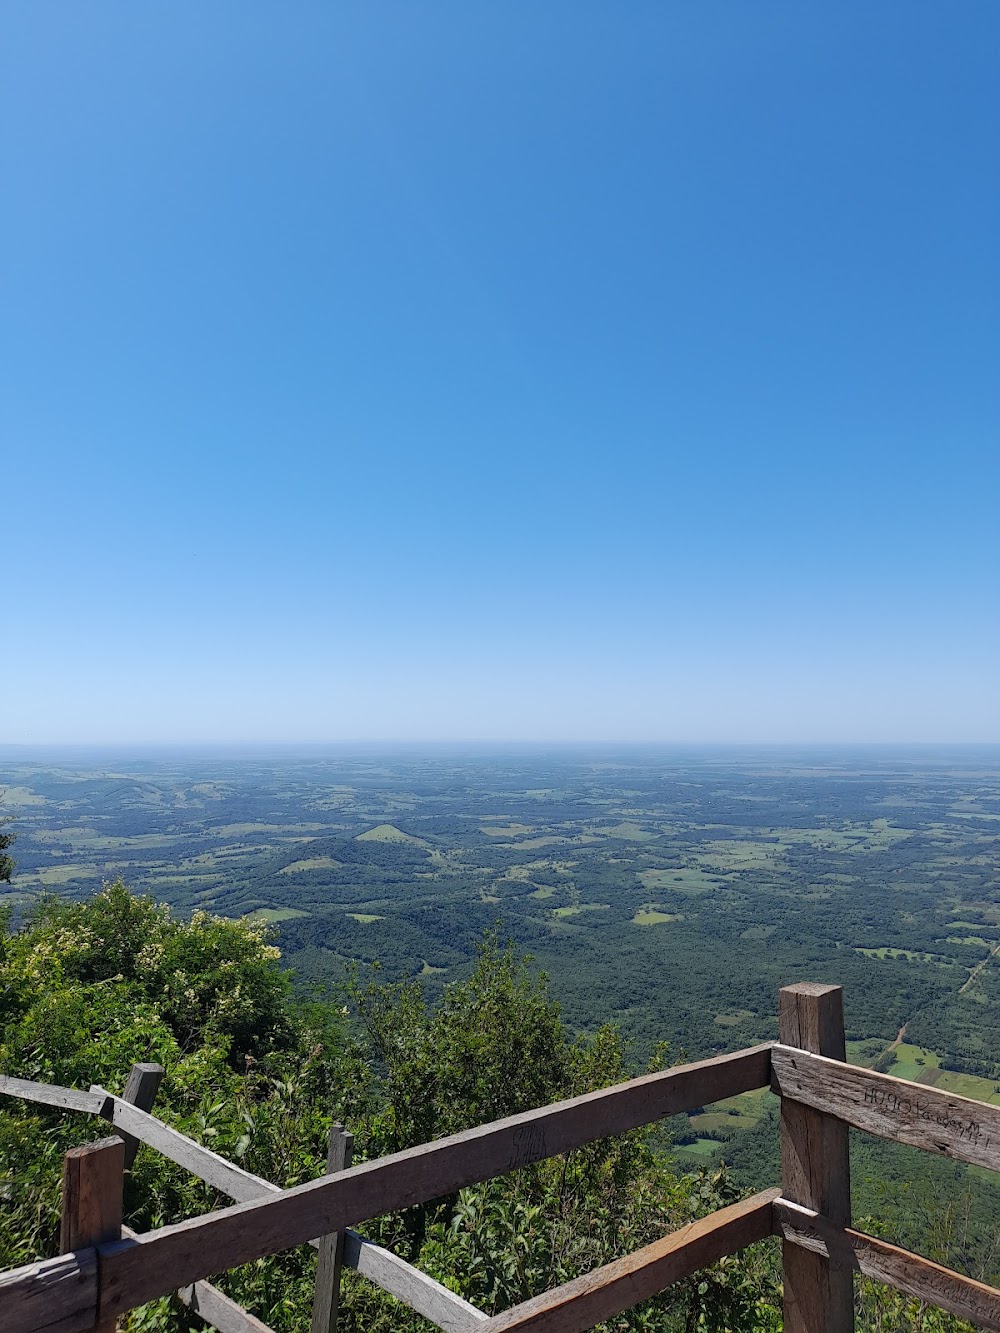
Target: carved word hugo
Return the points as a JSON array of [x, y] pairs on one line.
[[889, 1100]]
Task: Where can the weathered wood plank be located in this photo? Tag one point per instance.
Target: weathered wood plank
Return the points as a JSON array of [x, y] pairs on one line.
[[326, 1297], [53, 1296], [910, 1273], [589, 1300], [216, 1171], [134, 1272], [68, 1099], [92, 1195], [409, 1285], [92, 1202], [213, 1305], [815, 1169], [141, 1087], [912, 1113], [220, 1310], [387, 1270]]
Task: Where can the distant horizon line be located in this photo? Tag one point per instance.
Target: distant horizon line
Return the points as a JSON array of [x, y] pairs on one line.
[[486, 742]]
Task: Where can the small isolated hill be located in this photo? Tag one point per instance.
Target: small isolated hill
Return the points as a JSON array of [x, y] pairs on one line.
[[389, 833]]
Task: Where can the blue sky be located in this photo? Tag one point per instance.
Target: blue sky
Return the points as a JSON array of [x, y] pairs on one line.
[[547, 371]]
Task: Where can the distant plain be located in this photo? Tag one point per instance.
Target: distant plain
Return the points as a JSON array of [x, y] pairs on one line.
[[670, 892]]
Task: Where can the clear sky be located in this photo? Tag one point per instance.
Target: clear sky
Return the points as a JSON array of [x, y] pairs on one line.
[[500, 370]]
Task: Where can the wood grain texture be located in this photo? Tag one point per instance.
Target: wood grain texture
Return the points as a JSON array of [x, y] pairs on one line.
[[92, 1202], [92, 1194], [69, 1099], [815, 1167], [224, 1176], [213, 1305], [912, 1113], [326, 1297], [134, 1272], [394, 1275], [141, 1087], [420, 1292], [588, 1300], [910, 1273], [53, 1296], [220, 1310]]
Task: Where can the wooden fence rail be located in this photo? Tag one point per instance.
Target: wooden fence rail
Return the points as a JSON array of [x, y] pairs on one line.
[[394, 1275], [909, 1273], [892, 1108], [588, 1300], [818, 1292], [133, 1271], [104, 1276]]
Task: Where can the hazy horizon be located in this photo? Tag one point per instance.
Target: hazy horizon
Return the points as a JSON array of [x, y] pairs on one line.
[[485, 746]]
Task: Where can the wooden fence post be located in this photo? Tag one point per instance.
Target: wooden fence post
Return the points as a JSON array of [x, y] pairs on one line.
[[815, 1167], [141, 1087], [92, 1201], [326, 1301]]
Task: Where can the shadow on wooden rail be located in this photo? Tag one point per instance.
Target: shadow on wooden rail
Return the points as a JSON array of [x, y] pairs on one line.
[[109, 1270]]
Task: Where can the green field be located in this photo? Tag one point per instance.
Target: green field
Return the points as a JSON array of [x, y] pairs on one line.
[[651, 914], [309, 864], [909, 954], [731, 1020], [388, 833], [911, 1061], [689, 880], [701, 1150]]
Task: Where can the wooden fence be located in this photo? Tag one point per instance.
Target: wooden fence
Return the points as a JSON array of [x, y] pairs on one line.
[[106, 1270]]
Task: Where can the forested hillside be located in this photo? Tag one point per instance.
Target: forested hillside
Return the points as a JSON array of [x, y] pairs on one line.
[[671, 892], [259, 1075]]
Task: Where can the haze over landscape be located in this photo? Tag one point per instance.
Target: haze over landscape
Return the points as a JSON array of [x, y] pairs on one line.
[[513, 372]]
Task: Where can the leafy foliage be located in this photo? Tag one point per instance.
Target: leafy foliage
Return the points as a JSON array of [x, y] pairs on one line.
[[6, 860], [88, 988]]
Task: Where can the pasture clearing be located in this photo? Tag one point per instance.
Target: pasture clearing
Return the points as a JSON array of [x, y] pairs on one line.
[[652, 914], [734, 1019], [909, 955], [19, 797], [962, 1085], [911, 1061], [687, 880], [310, 863], [742, 854], [283, 832], [576, 908], [389, 833], [702, 1150], [628, 832], [720, 1122], [50, 876]]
